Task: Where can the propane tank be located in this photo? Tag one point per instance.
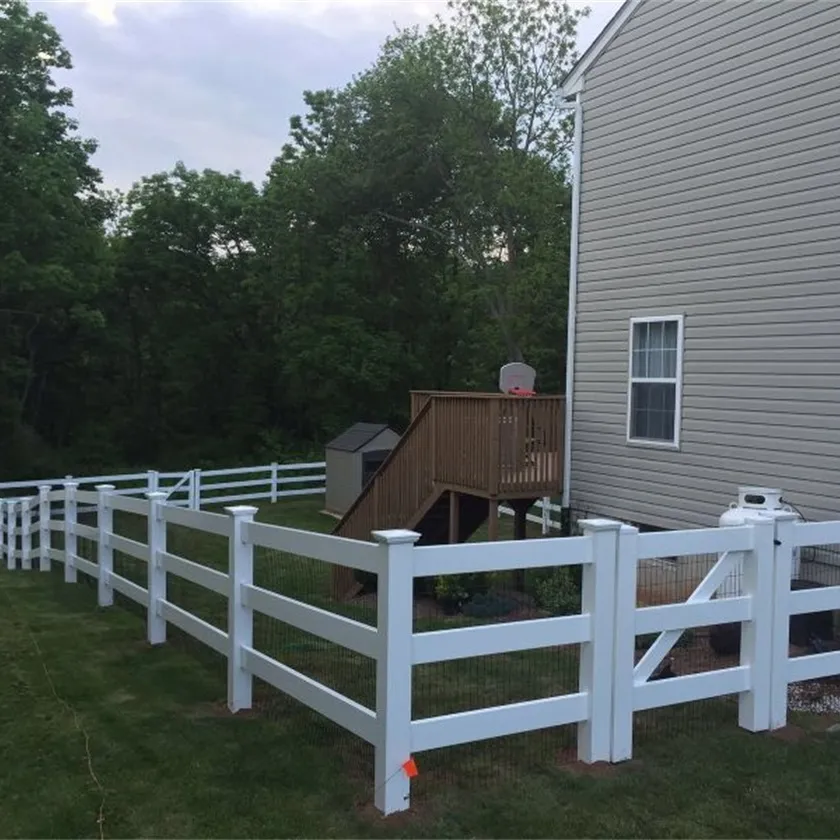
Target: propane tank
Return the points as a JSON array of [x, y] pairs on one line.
[[754, 503]]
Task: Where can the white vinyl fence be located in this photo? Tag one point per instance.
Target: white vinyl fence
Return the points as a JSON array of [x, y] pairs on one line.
[[548, 517], [611, 687], [197, 489]]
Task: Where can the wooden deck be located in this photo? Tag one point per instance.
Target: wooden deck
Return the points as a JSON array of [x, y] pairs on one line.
[[493, 446]]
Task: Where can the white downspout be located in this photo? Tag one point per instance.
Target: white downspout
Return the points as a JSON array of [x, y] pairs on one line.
[[571, 319]]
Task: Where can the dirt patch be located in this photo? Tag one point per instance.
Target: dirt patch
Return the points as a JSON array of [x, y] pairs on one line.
[[419, 812], [822, 723], [568, 761], [219, 709], [423, 607], [789, 734]]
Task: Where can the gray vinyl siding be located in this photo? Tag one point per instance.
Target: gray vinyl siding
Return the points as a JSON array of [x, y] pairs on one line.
[[710, 188]]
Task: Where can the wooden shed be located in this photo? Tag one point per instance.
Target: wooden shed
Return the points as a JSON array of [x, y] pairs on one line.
[[352, 458]]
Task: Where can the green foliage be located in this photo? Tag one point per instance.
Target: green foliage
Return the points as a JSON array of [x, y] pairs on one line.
[[489, 605], [451, 588], [52, 252], [558, 593], [413, 233], [458, 589]]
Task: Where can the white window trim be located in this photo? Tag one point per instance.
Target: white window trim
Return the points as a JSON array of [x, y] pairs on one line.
[[657, 444]]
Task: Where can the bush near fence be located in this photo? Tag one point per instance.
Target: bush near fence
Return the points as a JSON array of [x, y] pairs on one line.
[[611, 686]]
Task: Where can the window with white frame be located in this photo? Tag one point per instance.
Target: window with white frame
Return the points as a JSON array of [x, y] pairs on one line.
[[655, 389]]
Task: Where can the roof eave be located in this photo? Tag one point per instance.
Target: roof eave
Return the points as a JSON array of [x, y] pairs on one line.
[[573, 83]]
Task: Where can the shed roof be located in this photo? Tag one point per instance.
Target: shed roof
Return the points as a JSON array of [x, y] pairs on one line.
[[354, 438]]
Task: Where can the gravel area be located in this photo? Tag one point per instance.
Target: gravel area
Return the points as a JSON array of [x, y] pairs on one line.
[[817, 696]]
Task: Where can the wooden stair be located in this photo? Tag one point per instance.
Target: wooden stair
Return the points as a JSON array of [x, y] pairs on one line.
[[476, 448], [433, 527]]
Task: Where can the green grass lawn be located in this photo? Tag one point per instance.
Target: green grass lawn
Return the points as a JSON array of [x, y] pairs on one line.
[[93, 720]]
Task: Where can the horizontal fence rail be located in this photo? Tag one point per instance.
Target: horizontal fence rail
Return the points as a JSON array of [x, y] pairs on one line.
[[612, 686], [191, 489], [197, 488]]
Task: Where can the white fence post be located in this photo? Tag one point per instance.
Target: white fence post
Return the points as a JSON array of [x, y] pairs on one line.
[[195, 490], [240, 616], [395, 625], [624, 644], [152, 481], [273, 482], [11, 539], [26, 534], [105, 558], [155, 623], [782, 566], [757, 634], [546, 515], [70, 547], [2, 529], [44, 532], [596, 656]]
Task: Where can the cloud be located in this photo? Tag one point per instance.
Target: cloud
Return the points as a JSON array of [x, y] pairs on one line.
[[327, 16], [215, 83], [105, 11]]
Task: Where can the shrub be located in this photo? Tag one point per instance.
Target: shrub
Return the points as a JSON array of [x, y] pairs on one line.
[[490, 605], [455, 590], [559, 593], [450, 588]]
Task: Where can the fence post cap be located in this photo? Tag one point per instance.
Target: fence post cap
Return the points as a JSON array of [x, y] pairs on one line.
[[68, 485], [397, 536], [629, 529], [156, 496], [600, 525], [101, 487], [242, 511], [44, 488]]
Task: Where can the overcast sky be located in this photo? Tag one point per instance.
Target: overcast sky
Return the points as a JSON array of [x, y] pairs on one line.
[[214, 83]]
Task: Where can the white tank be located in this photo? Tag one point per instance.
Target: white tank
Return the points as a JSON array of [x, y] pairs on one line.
[[753, 503]]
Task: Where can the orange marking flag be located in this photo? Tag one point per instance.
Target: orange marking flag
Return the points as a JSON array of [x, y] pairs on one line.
[[410, 768]]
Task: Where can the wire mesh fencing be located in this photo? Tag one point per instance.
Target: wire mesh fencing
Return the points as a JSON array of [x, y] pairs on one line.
[[462, 685], [672, 580], [814, 633], [345, 671], [132, 526]]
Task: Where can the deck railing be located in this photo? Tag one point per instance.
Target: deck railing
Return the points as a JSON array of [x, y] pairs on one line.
[[491, 445], [501, 446]]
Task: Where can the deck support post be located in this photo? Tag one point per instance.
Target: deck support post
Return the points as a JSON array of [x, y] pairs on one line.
[[454, 517], [520, 521], [493, 520]]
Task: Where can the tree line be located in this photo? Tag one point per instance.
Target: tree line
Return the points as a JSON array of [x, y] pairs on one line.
[[411, 233]]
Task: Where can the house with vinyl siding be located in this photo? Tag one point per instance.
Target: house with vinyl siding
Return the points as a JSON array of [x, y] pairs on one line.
[[704, 324]]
